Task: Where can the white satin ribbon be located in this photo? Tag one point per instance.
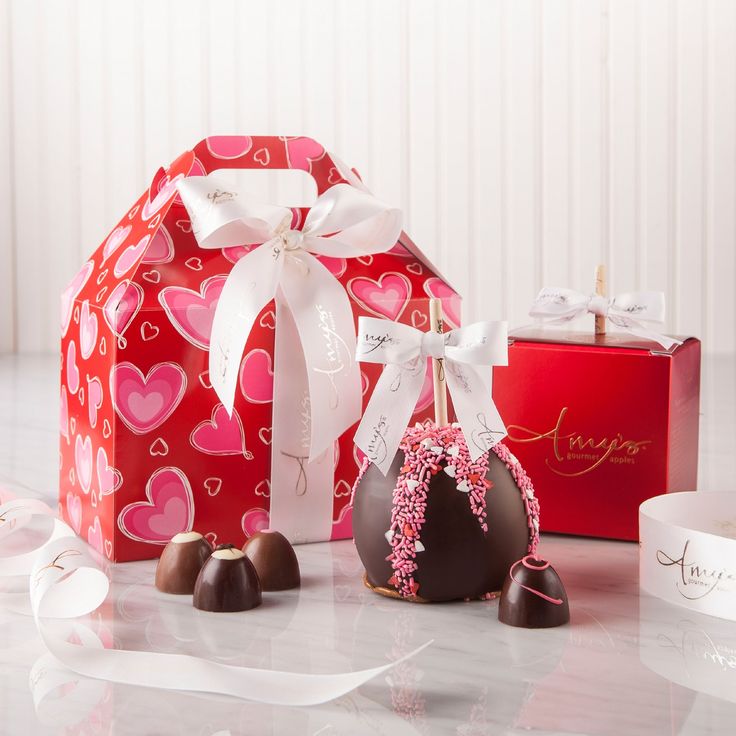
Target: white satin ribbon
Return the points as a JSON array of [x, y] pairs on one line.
[[317, 386], [630, 311], [404, 350], [687, 551], [65, 582]]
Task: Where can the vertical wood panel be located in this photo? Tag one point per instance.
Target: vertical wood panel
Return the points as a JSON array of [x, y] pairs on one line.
[[525, 141], [522, 154], [7, 229]]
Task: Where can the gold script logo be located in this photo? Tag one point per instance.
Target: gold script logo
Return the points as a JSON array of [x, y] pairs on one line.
[[576, 447]]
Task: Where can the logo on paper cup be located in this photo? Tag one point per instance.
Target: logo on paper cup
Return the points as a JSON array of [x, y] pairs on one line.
[[697, 579]]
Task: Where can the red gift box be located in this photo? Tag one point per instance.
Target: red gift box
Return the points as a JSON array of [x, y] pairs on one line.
[[146, 447], [600, 423]]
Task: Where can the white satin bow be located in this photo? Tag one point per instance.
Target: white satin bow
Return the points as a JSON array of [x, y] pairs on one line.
[[404, 350], [343, 222], [631, 311]]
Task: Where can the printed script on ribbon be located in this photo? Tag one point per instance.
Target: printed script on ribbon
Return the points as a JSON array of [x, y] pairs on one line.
[[315, 373], [65, 582], [404, 350], [633, 312]]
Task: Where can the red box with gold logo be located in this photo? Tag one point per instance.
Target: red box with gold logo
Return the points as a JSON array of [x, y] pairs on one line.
[[600, 423]]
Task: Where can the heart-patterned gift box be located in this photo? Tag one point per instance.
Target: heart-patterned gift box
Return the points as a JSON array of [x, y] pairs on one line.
[[147, 449]]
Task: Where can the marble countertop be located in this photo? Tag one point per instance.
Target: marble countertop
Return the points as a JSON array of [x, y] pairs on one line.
[[626, 665]]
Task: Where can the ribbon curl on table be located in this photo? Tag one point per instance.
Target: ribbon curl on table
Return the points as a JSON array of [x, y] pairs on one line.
[[67, 583], [316, 378], [630, 311], [405, 350]]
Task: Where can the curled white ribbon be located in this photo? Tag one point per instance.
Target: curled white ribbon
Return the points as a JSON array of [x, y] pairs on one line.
[[343, 222], [630, 311], [66, 583], [687, 550], [404, 350]]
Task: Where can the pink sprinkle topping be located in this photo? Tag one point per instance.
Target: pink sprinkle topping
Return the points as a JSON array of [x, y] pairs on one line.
[[410, 503]]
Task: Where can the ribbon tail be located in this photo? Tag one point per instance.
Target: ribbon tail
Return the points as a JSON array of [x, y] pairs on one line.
[[324, 320], [389, 411], [477, 414], [251, 285], [638, 330]]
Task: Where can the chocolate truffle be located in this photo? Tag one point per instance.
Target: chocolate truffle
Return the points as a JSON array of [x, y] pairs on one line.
[[227, 582], [440, 526], [180, 563], [533, 596], [274, 559]]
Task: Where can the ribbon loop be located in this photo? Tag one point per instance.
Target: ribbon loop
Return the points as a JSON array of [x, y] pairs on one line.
[[631, 311], [404, 350]]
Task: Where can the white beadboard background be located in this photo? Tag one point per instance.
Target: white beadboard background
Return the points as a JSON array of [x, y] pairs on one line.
[[526, 141]]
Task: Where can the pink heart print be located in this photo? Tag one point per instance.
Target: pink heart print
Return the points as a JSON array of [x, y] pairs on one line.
[[336, 266], [437, 288], [146, 402], [115, 239], [256, 376], [122, 306], [74, 511], [236, 252], [72, 371], [221, 435], [72, 292], [300, 152], [64, 414], [255, 520], [385, 297], [83, 461], [168, 510], [167, 189], [130, 256], [94, 399], [191, 312], [87, 330], [94, 536], [343, 526], [160, 249], [229, 146], [108, 478]]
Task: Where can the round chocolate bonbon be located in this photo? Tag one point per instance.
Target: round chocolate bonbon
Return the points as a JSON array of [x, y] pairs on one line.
[[180, 563], [533, 596], [440, 526], [227, 582], [274, 559]]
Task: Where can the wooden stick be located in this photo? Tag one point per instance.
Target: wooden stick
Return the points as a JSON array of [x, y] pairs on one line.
[[438, 366], [600, 290]]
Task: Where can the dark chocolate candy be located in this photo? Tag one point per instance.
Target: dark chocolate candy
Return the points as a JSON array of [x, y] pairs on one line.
[[459, 559], [227, 582], [274, 559], [533, 596], [180, 563]]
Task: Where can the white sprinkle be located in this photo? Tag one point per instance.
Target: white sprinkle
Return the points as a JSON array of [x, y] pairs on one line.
[[437, 450], [453, 451], [419, 547], [426, 442], [536, 524], [463, 486], [450, 470], [389, 535], [513, 459], [419, 425], [411, 484], [456, 425], [529, 493]]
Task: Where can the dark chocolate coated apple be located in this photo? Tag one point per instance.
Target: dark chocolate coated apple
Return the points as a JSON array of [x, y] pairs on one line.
[[274, 559], [439, 527], [227, 582], [180, 563]]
